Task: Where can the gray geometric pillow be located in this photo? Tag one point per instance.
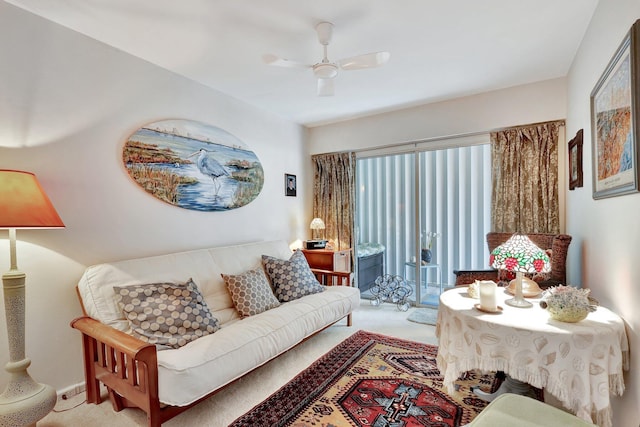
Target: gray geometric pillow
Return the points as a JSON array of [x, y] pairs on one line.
[[291, 279], [250, 292], [166, 314]]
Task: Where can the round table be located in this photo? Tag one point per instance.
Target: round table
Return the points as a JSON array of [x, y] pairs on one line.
[[578, 363]]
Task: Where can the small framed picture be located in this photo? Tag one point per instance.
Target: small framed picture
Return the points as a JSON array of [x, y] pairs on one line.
[[575, 161], [290, 185]]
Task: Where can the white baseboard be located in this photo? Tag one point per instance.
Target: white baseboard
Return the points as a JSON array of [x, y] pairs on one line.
[[70, 391]]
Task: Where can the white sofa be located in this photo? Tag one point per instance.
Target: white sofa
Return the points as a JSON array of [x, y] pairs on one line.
[[164, 383]]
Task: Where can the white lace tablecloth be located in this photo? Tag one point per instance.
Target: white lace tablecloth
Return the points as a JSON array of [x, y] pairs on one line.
[[578, 363]]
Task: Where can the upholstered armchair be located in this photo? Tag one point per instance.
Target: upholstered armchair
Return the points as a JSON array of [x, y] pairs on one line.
[[555, 244]]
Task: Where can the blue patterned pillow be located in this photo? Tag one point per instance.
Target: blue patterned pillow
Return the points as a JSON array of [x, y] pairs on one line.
[[291, 279]]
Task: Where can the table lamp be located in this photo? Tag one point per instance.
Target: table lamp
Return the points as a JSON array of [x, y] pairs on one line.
[[23, 204], [316, 224], [519, 255]]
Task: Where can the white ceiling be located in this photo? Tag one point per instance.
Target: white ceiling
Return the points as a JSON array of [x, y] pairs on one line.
[[439, 49]]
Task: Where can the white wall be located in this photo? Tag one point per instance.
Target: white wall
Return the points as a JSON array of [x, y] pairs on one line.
[[519, 105], [606, 232], [67, 105], [537, 102]]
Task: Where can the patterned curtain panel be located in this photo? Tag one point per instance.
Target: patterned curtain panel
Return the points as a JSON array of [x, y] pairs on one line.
[[334, 196], [524, 163]]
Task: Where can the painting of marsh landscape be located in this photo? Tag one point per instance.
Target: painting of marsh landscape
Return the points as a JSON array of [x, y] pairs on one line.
[[193, 165], [613, 118]]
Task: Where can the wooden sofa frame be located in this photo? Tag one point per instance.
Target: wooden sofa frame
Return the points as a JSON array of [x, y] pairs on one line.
[[128, 367]]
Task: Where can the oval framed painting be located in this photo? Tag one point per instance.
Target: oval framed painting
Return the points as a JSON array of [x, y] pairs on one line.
[[193, 165]]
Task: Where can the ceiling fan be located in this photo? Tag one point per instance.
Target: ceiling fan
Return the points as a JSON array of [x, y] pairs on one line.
[[325, 70]]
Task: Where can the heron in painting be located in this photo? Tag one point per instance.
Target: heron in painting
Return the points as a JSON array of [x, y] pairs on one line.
[[210, 167]]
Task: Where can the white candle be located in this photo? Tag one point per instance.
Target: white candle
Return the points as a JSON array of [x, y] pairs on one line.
[[488, 295]]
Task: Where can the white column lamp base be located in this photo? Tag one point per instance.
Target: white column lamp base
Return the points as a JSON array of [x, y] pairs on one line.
[[518, 300], [23, 401]]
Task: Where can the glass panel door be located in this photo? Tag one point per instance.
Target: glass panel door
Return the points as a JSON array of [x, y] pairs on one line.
[[431, 166], [425, 200], [385, 215]]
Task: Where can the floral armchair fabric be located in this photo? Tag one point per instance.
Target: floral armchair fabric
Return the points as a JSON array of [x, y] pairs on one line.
[[556, 246]]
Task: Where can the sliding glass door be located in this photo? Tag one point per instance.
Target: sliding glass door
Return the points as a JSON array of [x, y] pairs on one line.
[[430, 212]]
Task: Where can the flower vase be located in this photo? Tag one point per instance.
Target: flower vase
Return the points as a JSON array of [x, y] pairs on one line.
[[425, 255]]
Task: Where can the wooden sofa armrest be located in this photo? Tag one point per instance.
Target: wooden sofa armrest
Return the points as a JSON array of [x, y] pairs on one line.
[[125, 364], [110, 336]]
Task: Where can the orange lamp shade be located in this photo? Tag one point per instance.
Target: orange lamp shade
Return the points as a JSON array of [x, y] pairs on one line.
[[24, 204]]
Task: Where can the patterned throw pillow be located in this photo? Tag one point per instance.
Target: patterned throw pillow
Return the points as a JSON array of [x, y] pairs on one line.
[[166, 314], [250, 292], [291, 279]]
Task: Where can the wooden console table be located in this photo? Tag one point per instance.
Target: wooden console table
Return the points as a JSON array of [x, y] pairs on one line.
[[324, 259]]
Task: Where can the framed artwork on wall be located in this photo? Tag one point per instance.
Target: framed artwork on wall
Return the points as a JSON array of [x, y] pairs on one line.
[[193, 165], [290, 185], [614, 121], [575, 161]]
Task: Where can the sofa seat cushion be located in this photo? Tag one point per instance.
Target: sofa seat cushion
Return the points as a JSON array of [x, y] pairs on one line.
[[191, 372]]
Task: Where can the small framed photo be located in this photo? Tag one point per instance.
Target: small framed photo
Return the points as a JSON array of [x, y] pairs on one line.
[[290, 185], [575, 161]]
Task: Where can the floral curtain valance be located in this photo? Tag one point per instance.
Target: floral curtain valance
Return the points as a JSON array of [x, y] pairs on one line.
[[524, 163]]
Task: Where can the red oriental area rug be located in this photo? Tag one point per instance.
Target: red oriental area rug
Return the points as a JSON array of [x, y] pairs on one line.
[[371, 380]]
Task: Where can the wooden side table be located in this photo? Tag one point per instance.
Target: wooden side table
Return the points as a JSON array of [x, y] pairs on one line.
[[324, 259]]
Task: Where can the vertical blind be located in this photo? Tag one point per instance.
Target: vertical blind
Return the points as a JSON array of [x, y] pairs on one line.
[[454, 200]]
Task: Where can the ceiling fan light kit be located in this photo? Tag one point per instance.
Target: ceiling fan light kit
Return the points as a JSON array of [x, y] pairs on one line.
[[325, 87], [326, 70]]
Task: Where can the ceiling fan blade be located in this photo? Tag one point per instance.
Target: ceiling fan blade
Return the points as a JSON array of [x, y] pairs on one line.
[[368, 60], [325, 87], [274, 60]]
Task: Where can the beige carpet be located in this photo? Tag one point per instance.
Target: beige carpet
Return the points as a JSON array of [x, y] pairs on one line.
[[221, 409]]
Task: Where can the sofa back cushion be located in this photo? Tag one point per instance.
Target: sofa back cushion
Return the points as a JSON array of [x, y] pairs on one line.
[[205, 266]]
